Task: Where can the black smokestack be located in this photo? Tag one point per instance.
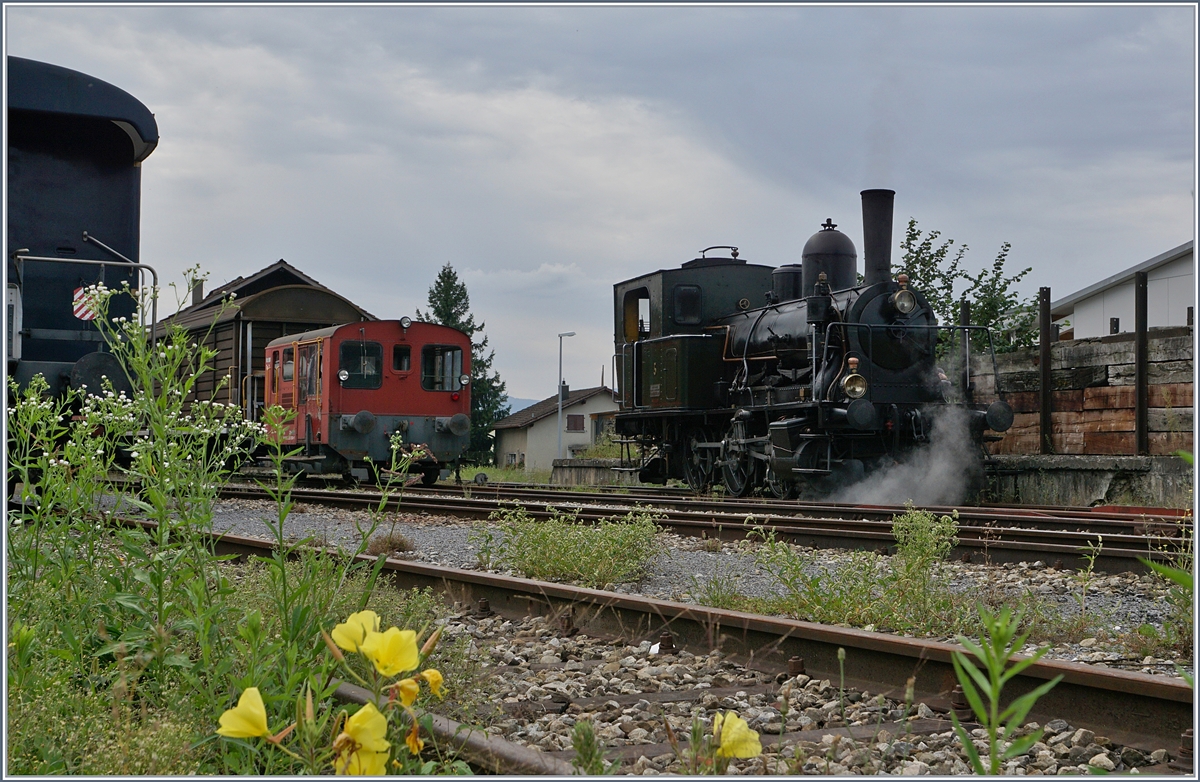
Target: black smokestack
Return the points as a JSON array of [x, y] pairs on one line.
[[877, 235]]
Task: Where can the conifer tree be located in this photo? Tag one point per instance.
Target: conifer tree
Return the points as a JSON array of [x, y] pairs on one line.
[[450, 305]]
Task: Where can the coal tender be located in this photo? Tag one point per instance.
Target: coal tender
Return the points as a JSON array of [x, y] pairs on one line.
[[835, 377]]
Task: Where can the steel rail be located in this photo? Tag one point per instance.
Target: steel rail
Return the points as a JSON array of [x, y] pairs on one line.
[[1130, 708], [990, 542]]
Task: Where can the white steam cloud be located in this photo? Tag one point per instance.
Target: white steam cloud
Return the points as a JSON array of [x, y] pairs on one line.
[[940, 473]]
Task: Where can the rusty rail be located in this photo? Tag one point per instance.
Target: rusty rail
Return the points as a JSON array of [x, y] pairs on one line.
[[983, 536], [1130, 708]]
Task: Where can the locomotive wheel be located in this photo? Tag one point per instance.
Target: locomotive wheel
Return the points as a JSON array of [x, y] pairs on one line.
[[698, 462], [739, 468], [429, 477], [780, 489]]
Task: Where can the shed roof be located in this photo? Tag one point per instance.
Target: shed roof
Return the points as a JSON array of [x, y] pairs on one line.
[[547, 407], [277, 276], [1066, 305]]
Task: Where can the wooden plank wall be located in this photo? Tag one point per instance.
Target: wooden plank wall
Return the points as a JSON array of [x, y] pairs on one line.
[[1093, 397]]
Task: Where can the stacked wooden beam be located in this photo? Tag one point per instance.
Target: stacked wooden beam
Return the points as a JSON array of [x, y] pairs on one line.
[[1093, 400]]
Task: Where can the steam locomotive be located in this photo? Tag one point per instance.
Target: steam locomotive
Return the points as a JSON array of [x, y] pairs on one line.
[[834, 377]]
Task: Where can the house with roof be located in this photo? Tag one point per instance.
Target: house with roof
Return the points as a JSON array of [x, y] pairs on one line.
[[529, 437], [269, 304], [1107, 307]]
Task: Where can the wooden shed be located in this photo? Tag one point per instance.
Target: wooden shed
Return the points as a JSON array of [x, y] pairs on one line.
[[269, 304]]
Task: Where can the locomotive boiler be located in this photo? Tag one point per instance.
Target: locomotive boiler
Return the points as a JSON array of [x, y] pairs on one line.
[[835, 376]]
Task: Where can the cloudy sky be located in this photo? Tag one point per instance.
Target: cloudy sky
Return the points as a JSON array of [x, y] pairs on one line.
[[548, 153]]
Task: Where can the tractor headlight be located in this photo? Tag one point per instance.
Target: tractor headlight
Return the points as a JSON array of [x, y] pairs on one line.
[[904, 301], [854, 386]]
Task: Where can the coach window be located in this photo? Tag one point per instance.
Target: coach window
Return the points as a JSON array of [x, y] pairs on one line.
[[441, 366], [401, 358], [288, 364], [363, 361]]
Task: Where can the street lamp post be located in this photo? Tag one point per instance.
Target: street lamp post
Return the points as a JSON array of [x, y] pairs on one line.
[[560, 395]]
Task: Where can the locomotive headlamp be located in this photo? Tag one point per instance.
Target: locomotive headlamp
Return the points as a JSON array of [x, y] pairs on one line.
[[405, 322], [854, 385], [904, 301], [343, 375], [464, 380]]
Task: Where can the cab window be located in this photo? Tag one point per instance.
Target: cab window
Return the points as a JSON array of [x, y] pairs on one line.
[[288, 364], [401, 358], [441, 366], [363, 361], [309, 372], [275, 372]]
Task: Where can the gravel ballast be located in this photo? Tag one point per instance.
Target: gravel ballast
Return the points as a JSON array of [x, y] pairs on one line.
[[1124, 601]]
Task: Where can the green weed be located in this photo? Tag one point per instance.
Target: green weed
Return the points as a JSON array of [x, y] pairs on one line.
[[561, 548]]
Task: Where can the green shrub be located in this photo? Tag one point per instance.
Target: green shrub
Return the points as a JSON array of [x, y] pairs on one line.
[[562, 549]]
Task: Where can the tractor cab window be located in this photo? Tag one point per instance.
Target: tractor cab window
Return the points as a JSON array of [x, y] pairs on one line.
[[441, 367], [363, 361], [401, 358], [288, 364]]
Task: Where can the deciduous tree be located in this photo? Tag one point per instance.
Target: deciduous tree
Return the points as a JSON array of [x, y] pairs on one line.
[[994, 303]]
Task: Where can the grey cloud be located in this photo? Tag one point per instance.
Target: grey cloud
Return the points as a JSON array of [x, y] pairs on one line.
[[371, 145]]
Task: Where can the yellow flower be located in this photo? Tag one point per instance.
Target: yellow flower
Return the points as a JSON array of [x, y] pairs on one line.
[[248, 719], [361, 747], [407, 689], [737, 740], [350, 634], [434, 677], [393, 652], [414, 741]]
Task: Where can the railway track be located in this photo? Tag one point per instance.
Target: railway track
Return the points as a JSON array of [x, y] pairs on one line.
[[1131, 709], [1060, 536]]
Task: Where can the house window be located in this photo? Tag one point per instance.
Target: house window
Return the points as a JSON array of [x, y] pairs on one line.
[[510, 459], [575, 423], [1114, 325], [1190, 315]]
